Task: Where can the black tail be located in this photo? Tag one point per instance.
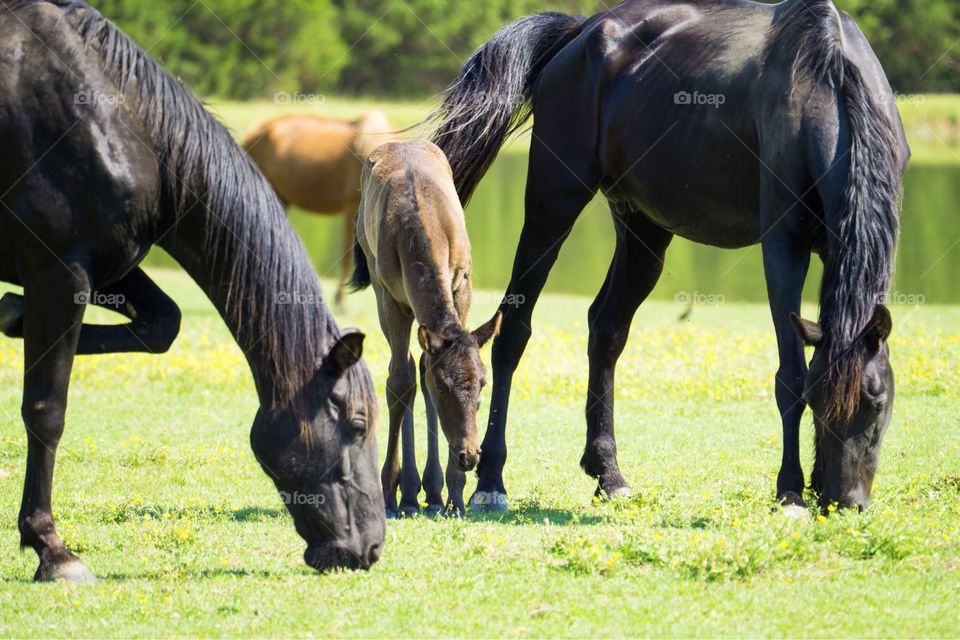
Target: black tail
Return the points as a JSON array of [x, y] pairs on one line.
[[491, 99], [361, 270], [865, 230]]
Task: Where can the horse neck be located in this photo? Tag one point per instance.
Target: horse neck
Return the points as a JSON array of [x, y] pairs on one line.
[[251, 289]]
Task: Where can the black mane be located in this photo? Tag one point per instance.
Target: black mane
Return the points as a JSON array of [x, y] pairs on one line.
[[864, 236], [252, 253]]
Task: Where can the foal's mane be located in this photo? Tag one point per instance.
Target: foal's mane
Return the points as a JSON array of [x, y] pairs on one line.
[[252, 252]]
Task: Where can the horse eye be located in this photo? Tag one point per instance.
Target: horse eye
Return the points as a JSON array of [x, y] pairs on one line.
[[358, 424]]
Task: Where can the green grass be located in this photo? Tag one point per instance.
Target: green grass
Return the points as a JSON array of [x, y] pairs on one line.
[[157, 489], [932, 121]]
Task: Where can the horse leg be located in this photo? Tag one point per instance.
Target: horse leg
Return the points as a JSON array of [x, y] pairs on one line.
[[634, 272], [52, 329], [557, 192], [155, 318], [456, 481], [785, 262], [401, 391], [433, 472], [346, 256]]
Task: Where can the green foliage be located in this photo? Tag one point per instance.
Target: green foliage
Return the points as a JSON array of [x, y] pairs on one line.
[[238, 48], [918, 41], [245, 48]]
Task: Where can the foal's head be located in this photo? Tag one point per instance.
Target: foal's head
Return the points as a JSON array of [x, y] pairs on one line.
[[848, 443], [455, 375]]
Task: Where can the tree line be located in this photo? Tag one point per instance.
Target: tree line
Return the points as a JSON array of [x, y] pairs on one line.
[[244, 49]]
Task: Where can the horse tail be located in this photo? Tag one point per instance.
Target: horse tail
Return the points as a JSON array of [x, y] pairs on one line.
[[864, 228], [360, 279], [373, 130], [492, 98]]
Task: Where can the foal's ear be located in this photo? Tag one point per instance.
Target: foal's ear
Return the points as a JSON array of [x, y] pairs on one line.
[[344, 354], [430, 342], [491, 329], [880, 326], [811, 333]]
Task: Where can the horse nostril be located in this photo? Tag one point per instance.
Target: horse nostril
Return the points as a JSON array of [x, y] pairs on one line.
[[373, 553]]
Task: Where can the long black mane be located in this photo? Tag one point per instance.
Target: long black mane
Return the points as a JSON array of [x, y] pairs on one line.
[[253, 254], [859, 268]]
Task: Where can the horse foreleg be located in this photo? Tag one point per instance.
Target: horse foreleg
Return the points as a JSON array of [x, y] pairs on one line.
[[555, 197], [155, 318], [433, 472], [52, 321], [785, 262], [634, 272]]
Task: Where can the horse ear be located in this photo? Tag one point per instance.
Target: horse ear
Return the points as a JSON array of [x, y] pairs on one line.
[[811, 333], [881, 326], [344, 354], [429, 341], [491, 329]]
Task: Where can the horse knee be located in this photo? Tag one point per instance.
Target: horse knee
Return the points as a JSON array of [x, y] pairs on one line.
[[160, 333], [789, 388], [44, 420]]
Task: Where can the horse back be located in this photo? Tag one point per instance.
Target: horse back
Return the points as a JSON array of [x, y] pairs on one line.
[[411, 224], [310, 160], [78, 177]]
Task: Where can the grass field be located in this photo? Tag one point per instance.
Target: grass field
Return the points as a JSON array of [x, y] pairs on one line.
[[157, 489]]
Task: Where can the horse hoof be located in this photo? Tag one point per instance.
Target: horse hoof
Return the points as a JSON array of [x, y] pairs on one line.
[[491, 501], [409, 512], [433, 511], [795, 512], [11, 311], [618, 493], [73, 571], [792, 499], [391, 514]]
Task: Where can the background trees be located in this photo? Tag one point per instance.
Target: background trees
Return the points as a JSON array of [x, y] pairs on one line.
[[411, 48]]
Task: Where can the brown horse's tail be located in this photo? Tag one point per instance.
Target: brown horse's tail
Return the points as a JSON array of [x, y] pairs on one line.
[[373, 130], [492, 97]]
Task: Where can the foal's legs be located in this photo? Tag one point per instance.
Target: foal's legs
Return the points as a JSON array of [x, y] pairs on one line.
[[396, 322], [433, 472], [634, 272], [52, 323], [559, 185], [155, 319], [785, 263]]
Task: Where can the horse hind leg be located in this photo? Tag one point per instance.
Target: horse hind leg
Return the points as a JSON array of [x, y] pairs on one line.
[[52, 330], [634, 272]]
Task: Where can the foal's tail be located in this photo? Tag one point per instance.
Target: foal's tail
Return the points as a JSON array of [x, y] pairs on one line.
[[360, 279], [864, 229], [492, 97]]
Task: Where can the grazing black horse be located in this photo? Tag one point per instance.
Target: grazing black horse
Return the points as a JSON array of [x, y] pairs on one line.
[[105, 155], [727, 122]]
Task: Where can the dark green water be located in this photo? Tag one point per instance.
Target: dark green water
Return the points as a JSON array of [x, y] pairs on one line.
[[927, 268]]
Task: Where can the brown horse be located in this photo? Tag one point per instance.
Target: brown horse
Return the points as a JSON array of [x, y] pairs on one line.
[[412, 245], [314, 163]]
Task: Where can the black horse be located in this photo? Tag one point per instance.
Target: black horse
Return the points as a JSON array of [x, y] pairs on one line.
[[727, 122], [104, 155]]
